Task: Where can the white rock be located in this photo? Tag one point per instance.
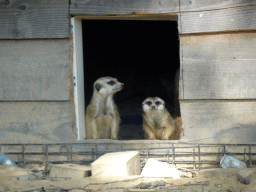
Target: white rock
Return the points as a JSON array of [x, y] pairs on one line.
[[117, 164], [154, 168]]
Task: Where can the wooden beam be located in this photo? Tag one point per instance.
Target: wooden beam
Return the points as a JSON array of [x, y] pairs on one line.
[[238, 18], [34, 69], [34, 19], [117, 7], [219, 121]]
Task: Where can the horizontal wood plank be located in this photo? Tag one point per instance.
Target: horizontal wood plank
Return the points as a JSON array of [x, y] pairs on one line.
[[203, 5], [115, 7], [36, 122], [219, 80], [34, 19], [220, 66], [238, 18], [98, 7], [34, 69], [218, 47], [219, 121]]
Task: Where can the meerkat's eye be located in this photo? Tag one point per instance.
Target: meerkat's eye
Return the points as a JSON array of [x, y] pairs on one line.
[[112, 82], [157, 103], [149, 103]]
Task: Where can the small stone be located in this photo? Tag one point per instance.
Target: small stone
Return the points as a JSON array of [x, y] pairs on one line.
[[158, 183], [144, 185]]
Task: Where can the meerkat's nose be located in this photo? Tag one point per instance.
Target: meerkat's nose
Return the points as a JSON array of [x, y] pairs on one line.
[[122, 85], [153, 106]]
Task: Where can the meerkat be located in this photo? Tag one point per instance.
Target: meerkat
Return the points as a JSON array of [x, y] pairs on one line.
[[157, 121], [102, 117]]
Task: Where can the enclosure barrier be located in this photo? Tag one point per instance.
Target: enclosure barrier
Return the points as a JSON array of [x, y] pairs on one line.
[[187, 155]]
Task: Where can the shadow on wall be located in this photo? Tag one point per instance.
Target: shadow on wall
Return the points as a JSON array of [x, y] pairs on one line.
[[240, 135]]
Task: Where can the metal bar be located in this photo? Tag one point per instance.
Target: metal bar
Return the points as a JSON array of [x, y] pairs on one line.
[[168, 154], [194, 158], [46, 156], [71, 151], [250, 157], [244, 154], [173, 155], [162, 154], [96, 150], [198, 156], [67, 153], [23, 155], [93, 154]]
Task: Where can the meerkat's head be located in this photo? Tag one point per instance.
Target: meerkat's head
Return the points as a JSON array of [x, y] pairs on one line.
[[153, 104], [106, 86]]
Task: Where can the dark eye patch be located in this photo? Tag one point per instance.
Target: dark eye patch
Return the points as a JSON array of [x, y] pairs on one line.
[[149, 103], [111, 82], [157, 103]]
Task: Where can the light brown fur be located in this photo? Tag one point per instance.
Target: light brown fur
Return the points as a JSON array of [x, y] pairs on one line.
[[157, 121], [102, 117]]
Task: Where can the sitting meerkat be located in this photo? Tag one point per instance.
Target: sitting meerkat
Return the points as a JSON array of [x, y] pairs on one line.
[[157, 121], [102, 117]]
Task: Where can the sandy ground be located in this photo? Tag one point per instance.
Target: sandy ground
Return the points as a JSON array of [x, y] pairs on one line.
[[217, 180]]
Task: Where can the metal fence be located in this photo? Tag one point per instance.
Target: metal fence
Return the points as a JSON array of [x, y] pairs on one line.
[[188, 155]]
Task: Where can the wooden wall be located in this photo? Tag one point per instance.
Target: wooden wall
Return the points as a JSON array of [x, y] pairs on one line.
[[217, 58], [35, 75], [218, 72]]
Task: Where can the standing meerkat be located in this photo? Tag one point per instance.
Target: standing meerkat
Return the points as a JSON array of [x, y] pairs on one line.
[[102, 117], [157, 121]]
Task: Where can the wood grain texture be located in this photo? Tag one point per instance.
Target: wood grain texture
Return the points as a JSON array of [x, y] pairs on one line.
[[98, 7], [34, 69], [23, 19], [203, 5], [218, 47], [219, 121], [113, 7], [238, 18], [219, 80], [36, 122], [219, 66]]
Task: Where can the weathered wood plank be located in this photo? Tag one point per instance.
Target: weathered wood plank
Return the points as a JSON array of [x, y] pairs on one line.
[[219, 80], [34, 69], [115, 7], [238, 18], [34, 19], [219, 121], [36, 122], [218, 47], [203, 5], [220, 66], [98, 7]]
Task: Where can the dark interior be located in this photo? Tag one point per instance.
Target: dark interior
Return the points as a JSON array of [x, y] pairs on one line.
[[144, 55]]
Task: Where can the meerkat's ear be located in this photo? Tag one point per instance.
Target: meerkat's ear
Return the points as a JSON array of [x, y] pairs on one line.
[[98, 86]]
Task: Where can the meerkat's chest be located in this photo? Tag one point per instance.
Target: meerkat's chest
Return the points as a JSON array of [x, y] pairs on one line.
[[158, 120]]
